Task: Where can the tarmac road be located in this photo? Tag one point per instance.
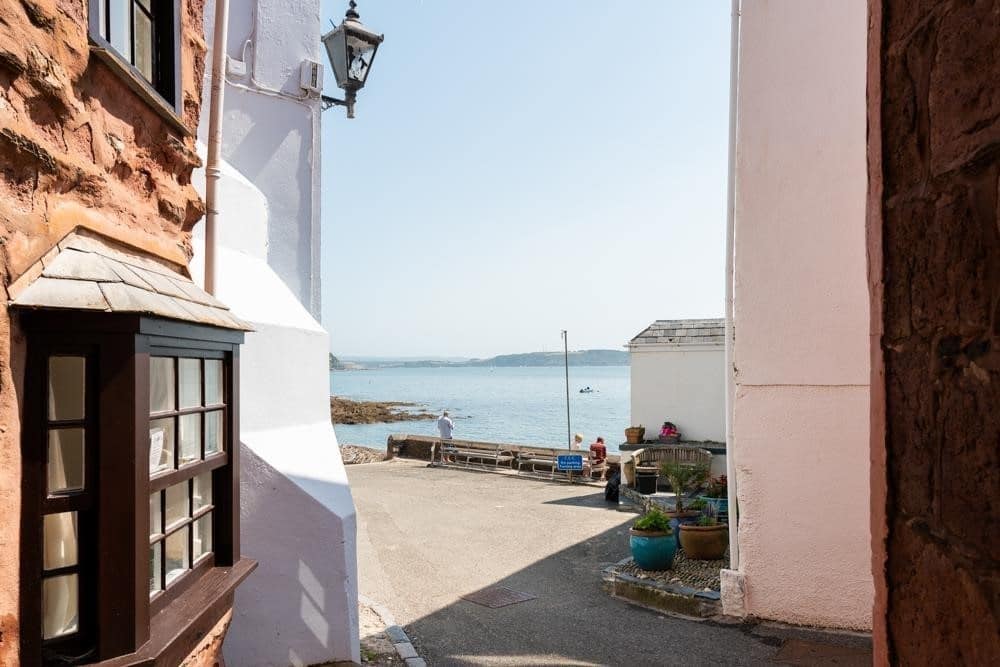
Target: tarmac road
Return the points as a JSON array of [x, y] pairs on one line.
[[427, 536]]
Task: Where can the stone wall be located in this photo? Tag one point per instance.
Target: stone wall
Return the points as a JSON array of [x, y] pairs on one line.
[[934, 242], [78, 148]]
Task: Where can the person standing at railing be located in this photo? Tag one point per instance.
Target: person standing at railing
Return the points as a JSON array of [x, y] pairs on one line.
[[445, 427]]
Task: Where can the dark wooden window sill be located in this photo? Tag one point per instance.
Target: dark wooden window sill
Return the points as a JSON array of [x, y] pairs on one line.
[[176, 630]]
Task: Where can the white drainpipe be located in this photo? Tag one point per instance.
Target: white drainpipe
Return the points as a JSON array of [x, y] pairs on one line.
[[734, 543], [213, 172]]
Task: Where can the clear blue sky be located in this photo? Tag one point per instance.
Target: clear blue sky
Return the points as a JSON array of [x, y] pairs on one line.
[[517, 168]]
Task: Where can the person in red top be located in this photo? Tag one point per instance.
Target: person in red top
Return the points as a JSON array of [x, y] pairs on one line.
[[598, 455]]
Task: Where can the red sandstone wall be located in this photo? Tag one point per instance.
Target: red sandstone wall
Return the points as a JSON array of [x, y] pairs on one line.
[[77, 147], [940, 152]]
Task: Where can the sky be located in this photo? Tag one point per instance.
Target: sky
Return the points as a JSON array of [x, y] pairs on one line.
[[519, 168]]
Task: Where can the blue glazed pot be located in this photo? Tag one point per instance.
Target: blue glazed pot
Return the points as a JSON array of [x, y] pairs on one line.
[[652, 551]]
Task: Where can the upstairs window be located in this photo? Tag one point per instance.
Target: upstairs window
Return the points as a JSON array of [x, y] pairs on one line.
[[143, 37]]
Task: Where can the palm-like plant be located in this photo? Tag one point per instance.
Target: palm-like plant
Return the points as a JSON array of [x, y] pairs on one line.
[[683, 477]]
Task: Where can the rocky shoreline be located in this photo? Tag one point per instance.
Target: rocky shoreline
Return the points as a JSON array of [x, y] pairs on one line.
[[356, 454], [346, 411]]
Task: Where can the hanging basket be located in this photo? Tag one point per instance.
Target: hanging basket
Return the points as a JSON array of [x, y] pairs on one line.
[[634, 434]]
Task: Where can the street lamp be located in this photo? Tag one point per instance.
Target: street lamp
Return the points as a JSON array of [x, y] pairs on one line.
[[351, 49]]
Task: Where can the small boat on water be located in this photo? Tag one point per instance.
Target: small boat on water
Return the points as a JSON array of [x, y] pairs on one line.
[[586, 390]]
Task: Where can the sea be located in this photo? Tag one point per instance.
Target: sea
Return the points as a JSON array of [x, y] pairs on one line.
[[520, 405]]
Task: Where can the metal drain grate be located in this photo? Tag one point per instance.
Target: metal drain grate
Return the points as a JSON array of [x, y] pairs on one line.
[[498, 596]]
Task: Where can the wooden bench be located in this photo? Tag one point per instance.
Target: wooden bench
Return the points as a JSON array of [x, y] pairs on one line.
[[649, 459], [472, 451], [548, 459]]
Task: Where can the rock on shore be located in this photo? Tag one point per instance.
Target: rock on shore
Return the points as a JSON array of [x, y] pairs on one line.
[[353, 454], [346, 411]]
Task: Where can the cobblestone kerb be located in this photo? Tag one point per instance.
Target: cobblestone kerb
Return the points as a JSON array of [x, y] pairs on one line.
[[400, 641], [671, 597]]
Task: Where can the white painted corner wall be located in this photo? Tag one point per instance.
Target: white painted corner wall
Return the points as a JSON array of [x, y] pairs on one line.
[[800, 414], [683, 385]]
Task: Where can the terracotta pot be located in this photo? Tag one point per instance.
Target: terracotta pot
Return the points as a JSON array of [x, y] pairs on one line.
[[704, 542], [635, 434]]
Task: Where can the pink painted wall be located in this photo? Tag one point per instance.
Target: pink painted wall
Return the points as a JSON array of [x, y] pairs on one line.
[[800, 415]]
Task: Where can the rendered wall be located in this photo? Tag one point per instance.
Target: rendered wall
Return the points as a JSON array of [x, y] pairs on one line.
[[684, 386], [77, 148], [935, 247], [300, 605], [800, 414]]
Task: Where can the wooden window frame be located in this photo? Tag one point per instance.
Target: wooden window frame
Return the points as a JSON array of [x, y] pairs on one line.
[[126, 620], [165, 93]]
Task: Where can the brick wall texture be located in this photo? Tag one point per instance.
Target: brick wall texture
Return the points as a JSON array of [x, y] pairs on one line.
[[940, 145], [77, 147]]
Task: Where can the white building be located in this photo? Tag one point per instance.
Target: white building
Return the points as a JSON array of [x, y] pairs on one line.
[[298, 520], [678, 375]]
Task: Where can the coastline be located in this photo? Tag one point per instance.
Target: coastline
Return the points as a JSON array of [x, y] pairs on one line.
[[347, 411]]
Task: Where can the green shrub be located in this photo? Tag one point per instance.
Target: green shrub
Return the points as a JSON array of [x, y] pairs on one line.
[[653, 521], [683, 477]]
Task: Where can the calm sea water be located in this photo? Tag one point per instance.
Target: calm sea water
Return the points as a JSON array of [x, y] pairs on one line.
[[518, 405]]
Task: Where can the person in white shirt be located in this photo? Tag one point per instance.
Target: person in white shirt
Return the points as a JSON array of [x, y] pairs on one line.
[[445, 425]]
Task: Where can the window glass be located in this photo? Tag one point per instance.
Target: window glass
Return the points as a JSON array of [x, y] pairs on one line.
[[202, 536], [161, 384], [60, 540], [66, 388], [121, 35], [190, 438], [177, 504], [155, 515], [202, 494], [213, 432], [178, 558], [213, 382], [65, 467], [60, 605], [143, 44], [161, 444], [155, 567], [190, 377]]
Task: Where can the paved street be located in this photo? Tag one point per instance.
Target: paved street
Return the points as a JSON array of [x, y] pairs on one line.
[[427, 536]]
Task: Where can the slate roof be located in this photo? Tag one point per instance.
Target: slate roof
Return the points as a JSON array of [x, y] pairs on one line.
[[682, 332], [87, 272]]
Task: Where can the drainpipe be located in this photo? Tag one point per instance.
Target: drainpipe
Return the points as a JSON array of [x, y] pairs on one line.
[[734, 543], [213, 173]]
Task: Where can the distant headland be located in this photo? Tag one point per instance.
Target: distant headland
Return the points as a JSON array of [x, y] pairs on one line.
[[576, 358]]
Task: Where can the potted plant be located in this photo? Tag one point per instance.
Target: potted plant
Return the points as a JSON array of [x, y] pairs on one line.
[[635, 434], [683, 477], [707, 538], [717, 494], [652, 541]]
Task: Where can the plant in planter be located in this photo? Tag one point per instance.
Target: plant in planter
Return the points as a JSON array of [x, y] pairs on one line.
[[652, 541], [717, 494], [635, 434], [706, 538], [683, 477]]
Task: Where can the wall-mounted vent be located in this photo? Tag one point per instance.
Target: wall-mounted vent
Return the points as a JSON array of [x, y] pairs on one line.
[[311, 76]]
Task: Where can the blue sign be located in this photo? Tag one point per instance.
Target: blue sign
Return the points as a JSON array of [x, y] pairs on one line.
[[569, 462]]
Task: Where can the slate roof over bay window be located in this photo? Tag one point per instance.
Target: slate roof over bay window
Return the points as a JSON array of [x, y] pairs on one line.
[[681, 333], [87, 272]]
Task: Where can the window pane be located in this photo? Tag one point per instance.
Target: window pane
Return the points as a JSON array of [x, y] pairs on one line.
[[155, 560], [213, 381], [190, 371], [214, 434], [60, 542], [177, 504], [143, 44], [203, 536], [66, 387], [155, 515], [202, 495], [121, 36], [161, 384], [190, 438], [177, 554], [65, 466], [161, 444], [59, 606]]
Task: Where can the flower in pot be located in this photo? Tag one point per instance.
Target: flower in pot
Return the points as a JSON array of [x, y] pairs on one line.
[[707, 538], [652, 541], [683, 477], [717, 494]]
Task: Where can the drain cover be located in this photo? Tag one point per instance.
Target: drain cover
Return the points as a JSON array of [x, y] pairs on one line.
[[498, 596]]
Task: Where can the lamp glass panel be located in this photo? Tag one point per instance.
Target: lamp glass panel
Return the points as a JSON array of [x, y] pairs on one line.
[[65, 467], [67, 393], [60, 605], [60, 540]]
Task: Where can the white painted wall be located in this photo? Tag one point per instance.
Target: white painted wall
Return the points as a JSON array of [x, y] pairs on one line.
[[298, 519], [681, 384], [800, 414]]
